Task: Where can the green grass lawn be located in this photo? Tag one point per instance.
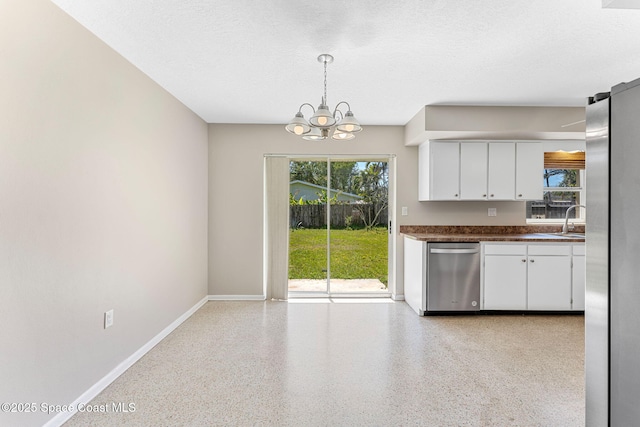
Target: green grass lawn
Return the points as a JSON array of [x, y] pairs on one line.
[[355, 254]]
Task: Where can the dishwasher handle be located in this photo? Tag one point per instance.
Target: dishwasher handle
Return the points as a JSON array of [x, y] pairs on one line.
[[453, 251]]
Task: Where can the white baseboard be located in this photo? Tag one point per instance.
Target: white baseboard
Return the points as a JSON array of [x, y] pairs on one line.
[[397, 297], [88, 395], [236, 298]]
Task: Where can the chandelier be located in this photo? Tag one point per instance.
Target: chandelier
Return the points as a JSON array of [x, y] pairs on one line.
[[341, 126]]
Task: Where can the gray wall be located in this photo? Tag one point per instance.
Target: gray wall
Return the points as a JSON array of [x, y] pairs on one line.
[[236, 155], [103, 205]]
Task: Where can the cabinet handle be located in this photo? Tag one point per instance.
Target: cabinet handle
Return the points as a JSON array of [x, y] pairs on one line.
[[519, 195], [484, 195], [455, 195], [492, 195], [532, 260], [524, 260]]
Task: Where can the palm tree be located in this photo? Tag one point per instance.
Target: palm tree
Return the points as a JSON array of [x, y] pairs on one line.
[[373, 186]]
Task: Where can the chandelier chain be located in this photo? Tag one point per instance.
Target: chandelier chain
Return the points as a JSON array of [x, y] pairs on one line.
[[324, 100]]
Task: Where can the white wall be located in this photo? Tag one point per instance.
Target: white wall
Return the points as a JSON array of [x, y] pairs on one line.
[[103, 205], [236, 196]]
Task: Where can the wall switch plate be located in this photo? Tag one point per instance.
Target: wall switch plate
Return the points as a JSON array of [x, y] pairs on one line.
[[493, 212], [108, 318], [405, 211]]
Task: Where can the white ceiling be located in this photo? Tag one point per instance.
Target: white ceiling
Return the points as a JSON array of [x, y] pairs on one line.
[[243, 61]]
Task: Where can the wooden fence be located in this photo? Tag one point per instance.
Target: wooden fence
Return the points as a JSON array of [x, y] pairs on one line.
[[551, 209], [315, 216]]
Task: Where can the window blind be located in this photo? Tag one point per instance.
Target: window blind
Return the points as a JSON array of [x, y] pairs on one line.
[[564, 160]]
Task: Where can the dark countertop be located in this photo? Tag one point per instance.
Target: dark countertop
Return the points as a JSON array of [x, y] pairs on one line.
[[534, 237], [533, 233]]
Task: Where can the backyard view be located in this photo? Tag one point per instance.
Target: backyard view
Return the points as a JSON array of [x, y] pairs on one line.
[[562, 188], [338, 232], [360, 254]]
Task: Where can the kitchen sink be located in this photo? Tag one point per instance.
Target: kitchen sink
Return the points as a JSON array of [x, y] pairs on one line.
[[568, 235]]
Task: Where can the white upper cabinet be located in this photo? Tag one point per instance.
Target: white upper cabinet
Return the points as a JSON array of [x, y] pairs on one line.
[[529, 167], [445, 171], [439, 171], [502, 171], [473, 171], [480, 170]]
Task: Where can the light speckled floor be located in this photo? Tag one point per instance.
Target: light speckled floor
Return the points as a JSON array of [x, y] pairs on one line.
[[353, 364]]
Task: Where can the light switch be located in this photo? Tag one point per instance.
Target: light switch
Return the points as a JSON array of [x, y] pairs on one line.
[[405, 211], [493, 212]]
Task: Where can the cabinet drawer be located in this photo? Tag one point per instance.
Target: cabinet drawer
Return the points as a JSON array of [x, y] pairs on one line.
[[549, 250], [505, 249], [579, 250]]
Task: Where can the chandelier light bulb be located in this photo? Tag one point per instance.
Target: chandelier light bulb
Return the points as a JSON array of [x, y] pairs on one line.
[[349, 123], [322, 121], [342, 136], [298, 125], [316, 134]]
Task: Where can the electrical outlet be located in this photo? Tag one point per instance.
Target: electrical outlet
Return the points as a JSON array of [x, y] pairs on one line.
[[492, 212], [405, 211], [108, 318]]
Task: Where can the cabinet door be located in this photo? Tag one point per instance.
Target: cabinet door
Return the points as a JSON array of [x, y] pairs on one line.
[[424, 151], [578, 283], [529, 170], [473, 170], [505, 282], [502, 171], [444, 171], [549, 283]]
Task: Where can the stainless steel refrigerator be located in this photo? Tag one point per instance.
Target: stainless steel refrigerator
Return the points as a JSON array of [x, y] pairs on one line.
[[612, 314]]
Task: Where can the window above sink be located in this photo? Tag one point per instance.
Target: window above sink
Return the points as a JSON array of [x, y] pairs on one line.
[[563, 187]]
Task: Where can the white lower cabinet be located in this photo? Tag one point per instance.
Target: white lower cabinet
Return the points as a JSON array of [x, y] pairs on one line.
[[414, 273], [531, 277], [549, 282], [505, 282], [579, 278]]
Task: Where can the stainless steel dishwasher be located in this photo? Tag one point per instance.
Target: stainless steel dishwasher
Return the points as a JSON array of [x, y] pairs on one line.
[[453, 277]]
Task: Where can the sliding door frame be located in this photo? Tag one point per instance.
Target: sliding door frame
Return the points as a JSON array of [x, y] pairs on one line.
[[390, 159]]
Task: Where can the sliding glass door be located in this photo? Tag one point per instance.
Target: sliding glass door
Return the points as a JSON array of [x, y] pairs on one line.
[[308, 233], [339, 235], [359, 233]]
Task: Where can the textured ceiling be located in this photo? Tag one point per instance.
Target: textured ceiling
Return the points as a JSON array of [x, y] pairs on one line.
[[242, 61]]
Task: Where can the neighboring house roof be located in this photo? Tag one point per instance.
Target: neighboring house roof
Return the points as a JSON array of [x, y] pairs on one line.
[[316, 188]]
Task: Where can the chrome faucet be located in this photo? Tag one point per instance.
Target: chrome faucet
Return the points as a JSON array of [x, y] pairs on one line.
[[565, 227]]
